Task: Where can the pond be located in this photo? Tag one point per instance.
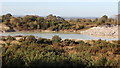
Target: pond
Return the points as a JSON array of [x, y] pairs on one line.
[[62, 35]]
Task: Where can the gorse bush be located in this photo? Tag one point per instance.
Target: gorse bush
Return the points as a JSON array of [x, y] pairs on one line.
[[68, 53], [44, 41], [30, 38], [3, 38], [10, 38], [56, 39], [102, 61]]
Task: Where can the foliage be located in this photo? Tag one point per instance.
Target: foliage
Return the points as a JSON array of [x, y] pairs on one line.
[[10, 38], [41, 52], [2, 38], [56, 39], [51, 22], [44, 41]]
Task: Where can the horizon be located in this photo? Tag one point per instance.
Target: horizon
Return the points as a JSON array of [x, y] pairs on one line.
[[63, 9], [92, 17]]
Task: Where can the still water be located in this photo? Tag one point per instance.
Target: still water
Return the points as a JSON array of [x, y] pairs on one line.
[[62, 35]]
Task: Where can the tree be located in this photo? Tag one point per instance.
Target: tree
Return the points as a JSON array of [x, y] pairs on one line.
[[95, 20], [40, 21], [29, 18], [103, 19], [6, 17], [77, 26], [14, 21]]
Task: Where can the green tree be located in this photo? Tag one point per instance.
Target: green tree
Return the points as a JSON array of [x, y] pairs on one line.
[[6, 17], [103, 19]]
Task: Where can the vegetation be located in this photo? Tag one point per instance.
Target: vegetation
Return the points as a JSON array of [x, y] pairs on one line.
[[56, 39], [29, 51], [54, 23]]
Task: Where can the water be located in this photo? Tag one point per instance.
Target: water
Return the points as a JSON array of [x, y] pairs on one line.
[[62, 35]]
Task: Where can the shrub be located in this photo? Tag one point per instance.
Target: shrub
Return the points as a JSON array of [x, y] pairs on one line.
[[81, 27], [3, 38], [22, 39], [30, 38], [67, 42], [102, 61], [43, 41], [56, 39], [56, 55], [10, 38]]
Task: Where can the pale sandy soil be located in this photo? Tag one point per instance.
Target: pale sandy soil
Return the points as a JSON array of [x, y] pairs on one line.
[[3, 28], [102, 31]]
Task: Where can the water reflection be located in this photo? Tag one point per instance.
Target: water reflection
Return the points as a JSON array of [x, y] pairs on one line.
[[62, 35]]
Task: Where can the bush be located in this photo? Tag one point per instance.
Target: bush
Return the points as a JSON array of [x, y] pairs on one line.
[[3, 38], [102, 61], [67, 42], [44, 41], [10, 38], [22, 39], [80, 54], [81, 27], [30, 38], [56, 39]]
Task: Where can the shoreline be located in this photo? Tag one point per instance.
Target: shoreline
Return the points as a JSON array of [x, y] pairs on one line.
[[109, 37], [103, 32], [17, 37], [50, 31], [65, 33]]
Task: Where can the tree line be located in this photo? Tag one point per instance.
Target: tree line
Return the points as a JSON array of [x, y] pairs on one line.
[[51, 22]]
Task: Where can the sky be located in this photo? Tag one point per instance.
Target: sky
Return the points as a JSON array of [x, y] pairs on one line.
[[76, 8], [59, 0]]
